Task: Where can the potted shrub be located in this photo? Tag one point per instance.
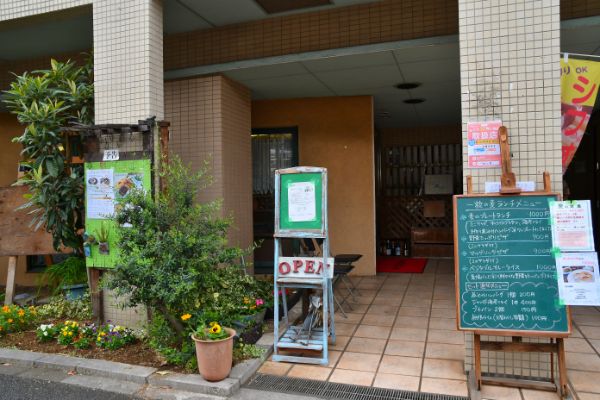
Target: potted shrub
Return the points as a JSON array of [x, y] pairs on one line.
[[102, 238], [214, 351], [70, 276]]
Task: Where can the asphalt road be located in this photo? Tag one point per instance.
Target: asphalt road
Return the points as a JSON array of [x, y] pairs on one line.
[[21, 388]]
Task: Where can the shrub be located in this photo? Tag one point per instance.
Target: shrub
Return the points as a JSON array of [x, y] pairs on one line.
[[59, 307], [46, 332], [45, 102]]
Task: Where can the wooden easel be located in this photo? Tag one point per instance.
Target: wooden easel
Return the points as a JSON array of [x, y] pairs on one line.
[[556, 345]]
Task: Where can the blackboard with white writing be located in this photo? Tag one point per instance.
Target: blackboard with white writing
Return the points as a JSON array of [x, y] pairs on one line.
[[505, 269]]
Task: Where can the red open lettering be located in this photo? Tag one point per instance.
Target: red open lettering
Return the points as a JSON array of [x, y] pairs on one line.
[[297, 265], [309, 267], [284, 268]]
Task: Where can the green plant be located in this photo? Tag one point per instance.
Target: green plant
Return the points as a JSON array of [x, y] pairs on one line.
[[102, 234], [113, 337], [46, 332], [212, 332], [71, 271], [163, 339], [15, 319], [59, 307], [68, 332], [174, 257], [243, 351], [45, 102]]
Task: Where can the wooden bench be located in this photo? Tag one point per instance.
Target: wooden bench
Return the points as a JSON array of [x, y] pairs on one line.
[[431, 242]]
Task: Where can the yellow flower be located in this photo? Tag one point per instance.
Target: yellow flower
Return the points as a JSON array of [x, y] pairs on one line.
[[215, 329], [213, 323], [246, 300], [21, 313], [99, 339], [5, 309], [102, 333], [185, 317], [10, 320]]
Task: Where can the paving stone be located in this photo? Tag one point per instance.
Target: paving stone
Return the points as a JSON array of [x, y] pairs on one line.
[[163, 393], [115, 370], [196, 384], [9, 369], [244, 370], [19, 357], [104, 384], [45, 374], [56, 361]]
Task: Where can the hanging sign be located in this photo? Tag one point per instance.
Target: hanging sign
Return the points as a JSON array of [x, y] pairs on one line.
[[579, 81], [305, 267], [483, 146], [571, 223], [578, 279]]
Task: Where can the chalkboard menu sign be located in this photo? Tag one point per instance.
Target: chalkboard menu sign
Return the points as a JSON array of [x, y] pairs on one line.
[[505, 270]]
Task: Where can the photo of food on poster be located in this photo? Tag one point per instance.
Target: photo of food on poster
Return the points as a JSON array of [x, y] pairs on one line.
[[578, 279], [571, 223]]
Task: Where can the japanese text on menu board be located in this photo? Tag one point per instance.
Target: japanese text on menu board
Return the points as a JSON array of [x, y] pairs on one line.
[[483, 146], [507, 278]]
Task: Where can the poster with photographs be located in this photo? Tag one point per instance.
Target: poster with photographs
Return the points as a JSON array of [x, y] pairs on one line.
[[100, 202], [578, 279]]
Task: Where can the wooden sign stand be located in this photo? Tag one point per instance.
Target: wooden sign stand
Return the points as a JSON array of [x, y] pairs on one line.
[[556, 345]]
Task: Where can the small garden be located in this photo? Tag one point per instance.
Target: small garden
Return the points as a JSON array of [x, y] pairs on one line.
[[174, 257]]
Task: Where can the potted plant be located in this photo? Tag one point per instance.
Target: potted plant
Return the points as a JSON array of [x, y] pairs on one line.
[[214, 350], [70, 276], [102, 238]]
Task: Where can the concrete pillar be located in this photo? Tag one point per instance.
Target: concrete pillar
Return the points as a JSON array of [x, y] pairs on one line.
[[128, 60], [510, 70]]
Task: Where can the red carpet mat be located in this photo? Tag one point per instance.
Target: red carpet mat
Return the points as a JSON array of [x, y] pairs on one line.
[[401, 264]]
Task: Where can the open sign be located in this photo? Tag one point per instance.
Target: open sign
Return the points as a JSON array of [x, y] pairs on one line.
[[305, 267]]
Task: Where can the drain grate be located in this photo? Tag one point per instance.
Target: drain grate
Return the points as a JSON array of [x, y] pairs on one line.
[[330, 390]]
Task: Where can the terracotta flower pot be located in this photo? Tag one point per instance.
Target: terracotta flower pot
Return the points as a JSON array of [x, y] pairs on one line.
[[215, 357]]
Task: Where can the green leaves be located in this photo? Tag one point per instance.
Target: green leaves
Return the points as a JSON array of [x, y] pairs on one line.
[[45, 102]]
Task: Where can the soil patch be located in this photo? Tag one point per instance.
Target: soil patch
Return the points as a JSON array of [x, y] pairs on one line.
[[138, 353]]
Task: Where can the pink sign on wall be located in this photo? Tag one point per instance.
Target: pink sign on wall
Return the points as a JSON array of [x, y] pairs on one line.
[[483, 146]]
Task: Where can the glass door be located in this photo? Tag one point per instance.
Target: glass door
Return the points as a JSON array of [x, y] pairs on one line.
[[272, 149]]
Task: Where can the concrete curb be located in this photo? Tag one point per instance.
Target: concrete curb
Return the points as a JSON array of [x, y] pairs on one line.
[[135, 374]]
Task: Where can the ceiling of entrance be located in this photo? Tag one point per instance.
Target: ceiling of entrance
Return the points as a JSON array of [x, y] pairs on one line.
[[190, 15], [435, 67]]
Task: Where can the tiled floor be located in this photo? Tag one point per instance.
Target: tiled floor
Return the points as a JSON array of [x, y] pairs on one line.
[[401, 334]]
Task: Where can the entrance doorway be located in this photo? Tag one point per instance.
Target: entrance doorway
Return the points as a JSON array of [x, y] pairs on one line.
[[272, 149]]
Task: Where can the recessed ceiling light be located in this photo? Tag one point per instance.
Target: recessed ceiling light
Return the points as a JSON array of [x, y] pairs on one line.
[[414, 101], [408, 85]]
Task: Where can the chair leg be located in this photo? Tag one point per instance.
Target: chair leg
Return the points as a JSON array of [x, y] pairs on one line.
[[345, 280]]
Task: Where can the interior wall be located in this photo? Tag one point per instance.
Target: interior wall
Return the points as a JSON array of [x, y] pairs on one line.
[[210, 122], [9, 159], [336, 133]]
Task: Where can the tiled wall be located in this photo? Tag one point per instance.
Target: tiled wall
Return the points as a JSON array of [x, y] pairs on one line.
[[12, 9], [128, 67], [509, 55], [376, 22], [210, 121]]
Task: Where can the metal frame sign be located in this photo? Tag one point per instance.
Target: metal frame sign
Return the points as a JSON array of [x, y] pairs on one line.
[[302, 204]]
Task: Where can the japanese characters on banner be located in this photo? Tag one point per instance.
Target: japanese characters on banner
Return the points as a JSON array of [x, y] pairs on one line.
[[579, 88], [483, 146], [573, 247]]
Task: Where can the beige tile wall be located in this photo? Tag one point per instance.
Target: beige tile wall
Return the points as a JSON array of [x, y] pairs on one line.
[[509, 53], [12, 9], [509, 58], [210, 122], [128, 67]]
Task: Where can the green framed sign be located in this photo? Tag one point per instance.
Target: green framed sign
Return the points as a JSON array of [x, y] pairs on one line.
[[106, 183], [301, 203]]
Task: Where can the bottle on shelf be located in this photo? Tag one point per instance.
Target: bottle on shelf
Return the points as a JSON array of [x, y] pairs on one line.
[[397, 249], [406, 248], [388, 248]]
